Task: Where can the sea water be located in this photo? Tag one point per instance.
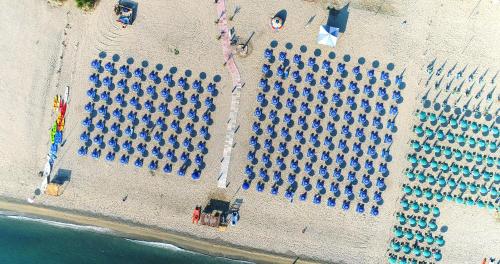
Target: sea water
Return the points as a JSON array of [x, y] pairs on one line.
[[31, 240]]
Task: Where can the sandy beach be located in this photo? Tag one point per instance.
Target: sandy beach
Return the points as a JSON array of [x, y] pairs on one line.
[[47, 48]]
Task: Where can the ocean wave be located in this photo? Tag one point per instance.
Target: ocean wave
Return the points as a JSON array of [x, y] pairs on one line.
[[176, 248], [59, 224], [157, 244]]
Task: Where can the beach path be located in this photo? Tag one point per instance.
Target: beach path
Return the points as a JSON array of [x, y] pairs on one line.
[[235, 95]]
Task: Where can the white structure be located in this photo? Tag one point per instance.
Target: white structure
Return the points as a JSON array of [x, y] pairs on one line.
[[328, 35]]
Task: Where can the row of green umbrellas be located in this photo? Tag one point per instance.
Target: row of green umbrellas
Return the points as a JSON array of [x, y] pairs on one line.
[[417, 251], [456, 153], [453, 168], [410, 234], [461, 139], [416, 207], [464, 124], [413, 221], [452, 183]]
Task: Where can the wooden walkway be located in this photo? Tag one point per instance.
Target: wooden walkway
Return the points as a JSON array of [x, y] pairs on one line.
[[235, 94]]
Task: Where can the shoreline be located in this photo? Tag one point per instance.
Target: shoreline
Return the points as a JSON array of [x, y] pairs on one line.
[[137, 231]]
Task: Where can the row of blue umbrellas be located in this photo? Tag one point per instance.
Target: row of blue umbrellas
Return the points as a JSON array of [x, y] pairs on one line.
[[326, 65]]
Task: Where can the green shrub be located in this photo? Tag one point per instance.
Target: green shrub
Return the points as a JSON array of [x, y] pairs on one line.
[[85, 4]]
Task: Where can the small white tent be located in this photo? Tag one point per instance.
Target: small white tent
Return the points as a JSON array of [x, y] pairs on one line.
[[328, 35]]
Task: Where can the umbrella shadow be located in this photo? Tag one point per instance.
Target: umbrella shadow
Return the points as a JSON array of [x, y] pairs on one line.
[[338, 18], [282, 14]]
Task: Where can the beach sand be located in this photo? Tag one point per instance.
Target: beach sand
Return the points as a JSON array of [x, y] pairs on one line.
[[48, 48]]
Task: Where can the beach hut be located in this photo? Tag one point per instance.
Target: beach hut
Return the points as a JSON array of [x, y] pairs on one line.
[[328, 35]]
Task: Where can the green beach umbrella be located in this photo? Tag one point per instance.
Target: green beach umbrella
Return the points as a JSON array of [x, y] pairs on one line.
[[432, 225], [406, 248], [472, 142], [493, 191], [419, 237], [402, 261], [415, 145], [426, 147], [396, 246], [405, 204], [469, 201], [431, 180], [453, 122], [490, 161], [469, 156], [410, 175], [440, 135], [421, 223], [491, 206], [429, 239], [479, 158], [398, 232], [402, 219], [412, 221], [427, 253], [437, 256], [415, 207], [434, 164], [412, 159], [480, 204], [450, 137], [418, 191], [493, 146], [464, 124], [483, 190], [443, 120], [421, 177], [408, 190], [422, 116], [448, 197], [486, 176], [475, 173], [409, 234], [444, 167], [458, 154], [462, 186], [481, 143], [418, 130], [461, 139], [429, 132], [441, 181], [436, 149], [439, 196], [484, 128], [474, 126], [459, 200], [425, 209], [440, 241], [432, 117], [417, 251], [466, 171], [497, 177], [428, 194], [423, 161], [435, 211], [495, 131], [393, 260], [472, 188], [454, 168], [452, 183], [447, 152]]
